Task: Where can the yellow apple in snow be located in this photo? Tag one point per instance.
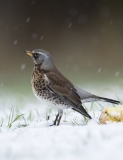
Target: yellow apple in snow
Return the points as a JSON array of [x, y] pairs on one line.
[[111, 114]]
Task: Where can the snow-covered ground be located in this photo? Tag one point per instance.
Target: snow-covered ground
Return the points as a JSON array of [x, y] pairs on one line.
[[31, 138], [36, 142]]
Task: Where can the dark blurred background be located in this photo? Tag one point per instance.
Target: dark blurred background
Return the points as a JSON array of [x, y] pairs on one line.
[[84, 37]]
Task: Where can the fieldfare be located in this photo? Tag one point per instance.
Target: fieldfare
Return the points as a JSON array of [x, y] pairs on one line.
[[56, 91]]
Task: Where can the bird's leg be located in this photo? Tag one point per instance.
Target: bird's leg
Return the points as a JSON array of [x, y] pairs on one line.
[[60, 116], [55, 120]]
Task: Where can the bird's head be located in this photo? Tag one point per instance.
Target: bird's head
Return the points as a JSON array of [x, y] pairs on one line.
[[41, 57]]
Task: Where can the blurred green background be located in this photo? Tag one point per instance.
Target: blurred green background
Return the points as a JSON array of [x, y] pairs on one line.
[[84, 37]]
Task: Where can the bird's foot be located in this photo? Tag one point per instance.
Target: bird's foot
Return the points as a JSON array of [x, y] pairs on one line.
[[52, 125]]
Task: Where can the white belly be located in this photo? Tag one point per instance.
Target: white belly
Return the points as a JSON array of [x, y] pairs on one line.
[[50, 104]]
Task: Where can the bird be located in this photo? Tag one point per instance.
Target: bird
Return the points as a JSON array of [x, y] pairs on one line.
[[54, 90]]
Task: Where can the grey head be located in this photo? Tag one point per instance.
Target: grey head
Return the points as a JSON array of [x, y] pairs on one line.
[[42, 58]]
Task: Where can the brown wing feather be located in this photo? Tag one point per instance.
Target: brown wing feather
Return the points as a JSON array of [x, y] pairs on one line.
[[63, 87]]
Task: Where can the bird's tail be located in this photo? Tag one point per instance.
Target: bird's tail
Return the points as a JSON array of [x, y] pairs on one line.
[[88, 97], [107, 100]]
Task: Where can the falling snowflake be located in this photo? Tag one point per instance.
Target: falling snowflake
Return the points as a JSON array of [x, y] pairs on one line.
[[28, 19], [1, 85], [23, 66], [34, 35], [99, 70], [111, 22], [15, 42], [117, 74], [41, 37], [70, 25]]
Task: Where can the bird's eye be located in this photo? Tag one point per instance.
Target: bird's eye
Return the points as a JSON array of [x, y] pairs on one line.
[[36, 55]]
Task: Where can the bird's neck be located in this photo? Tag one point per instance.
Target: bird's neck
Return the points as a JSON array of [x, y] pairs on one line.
[[47, 65], [39, 68]]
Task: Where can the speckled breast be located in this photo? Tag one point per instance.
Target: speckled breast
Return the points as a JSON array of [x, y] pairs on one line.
[[39, 84], [44, 94]]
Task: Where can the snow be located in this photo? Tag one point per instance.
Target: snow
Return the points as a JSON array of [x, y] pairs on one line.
[[41, 37], [73, 139], [15, 42], [117, 74], [70, 25], [1, 85], [99, 70], [111, 22], [116, 114], [34, 35], [38, 141], [23, 66], [28, 19]]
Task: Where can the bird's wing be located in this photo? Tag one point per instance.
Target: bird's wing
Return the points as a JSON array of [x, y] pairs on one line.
[[65, 90]]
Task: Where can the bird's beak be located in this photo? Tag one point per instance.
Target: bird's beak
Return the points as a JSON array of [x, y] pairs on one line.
[[28, 52]]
